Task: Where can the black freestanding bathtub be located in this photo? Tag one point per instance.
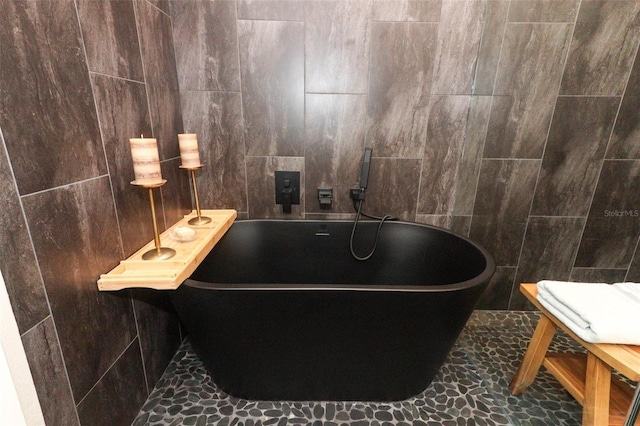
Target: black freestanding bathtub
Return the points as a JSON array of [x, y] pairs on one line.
[[280, 310]]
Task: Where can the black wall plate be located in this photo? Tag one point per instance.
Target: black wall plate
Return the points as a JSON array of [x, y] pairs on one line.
[[294, 184]]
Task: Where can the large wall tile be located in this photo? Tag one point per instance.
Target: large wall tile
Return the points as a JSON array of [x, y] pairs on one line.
[[457, 224], [159, 331], [400, 83], [625, 141], [17, 260], [123, 114], [461, 225], [337, 46], [549, 249], [543, 10], [443, 152], [156, 42], [453, 154], [459, 37], [498, 292], [505, 189], [518, 302], [111, 38], [116, 399], [262, 189], [74, 228], [162, 5], [613, 225], [42, 55], [176, 193], [634, 269], [573, 156], [407, 10], [217, 120], [206, 45], [530, 69], [49, 374], [596, 275], [277, 10], [439, 220], [471, 160], [532, 57], [334, 135], [495, 20], [397, 176], [633, 85], [604, 41], [272, 67]]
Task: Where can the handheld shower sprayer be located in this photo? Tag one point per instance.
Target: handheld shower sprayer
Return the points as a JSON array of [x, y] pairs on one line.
[[357, 195], [366, 164]]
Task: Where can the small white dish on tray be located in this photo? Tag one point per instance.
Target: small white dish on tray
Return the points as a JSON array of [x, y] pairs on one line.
[[184, 234]]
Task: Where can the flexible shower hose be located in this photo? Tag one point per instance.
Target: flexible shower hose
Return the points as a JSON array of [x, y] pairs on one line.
[[355, 225]]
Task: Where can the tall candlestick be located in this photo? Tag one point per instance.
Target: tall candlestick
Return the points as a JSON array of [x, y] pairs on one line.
[[191, 161], [189, 150], [146, 161], [159, 252]]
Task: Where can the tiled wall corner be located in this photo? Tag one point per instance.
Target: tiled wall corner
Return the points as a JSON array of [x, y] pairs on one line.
[[75, 88]]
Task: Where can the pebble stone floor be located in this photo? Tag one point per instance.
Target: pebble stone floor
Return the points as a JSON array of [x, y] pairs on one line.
[[471, 388]]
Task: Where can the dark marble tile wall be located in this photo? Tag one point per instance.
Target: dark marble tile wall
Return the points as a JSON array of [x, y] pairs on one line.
[[61, 144], [407, 10], [337, 37], [334, 130], [593, 67], [543, 10], [625, 141], [206, 45], [459, 37], [634, 270], [526, 88], [216, 117], [613, 224], [80, 79], [514, 122], [400, 80], [158, 59], [19, 265], [574, 152], [272, 72]]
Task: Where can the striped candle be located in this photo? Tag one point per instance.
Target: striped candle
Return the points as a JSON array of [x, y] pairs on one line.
[[189, 150], [146, 161]]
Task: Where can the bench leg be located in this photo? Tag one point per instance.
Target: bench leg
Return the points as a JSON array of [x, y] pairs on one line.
[[534, 356], [634, 408], [597, 392]]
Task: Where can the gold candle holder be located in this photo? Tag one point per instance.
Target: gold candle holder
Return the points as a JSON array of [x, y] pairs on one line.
[[199, 219], [159, 253]]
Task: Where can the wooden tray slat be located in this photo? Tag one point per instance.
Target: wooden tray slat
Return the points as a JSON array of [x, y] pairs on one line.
[[135, 272]]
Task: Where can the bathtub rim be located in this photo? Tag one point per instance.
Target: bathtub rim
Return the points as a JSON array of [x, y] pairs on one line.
[[478, 280]]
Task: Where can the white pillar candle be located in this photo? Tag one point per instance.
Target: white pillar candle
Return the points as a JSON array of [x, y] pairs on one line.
[[146, 161], [189, 150]]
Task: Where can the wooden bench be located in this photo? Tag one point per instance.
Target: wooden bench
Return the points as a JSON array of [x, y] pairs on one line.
[[605, 399]]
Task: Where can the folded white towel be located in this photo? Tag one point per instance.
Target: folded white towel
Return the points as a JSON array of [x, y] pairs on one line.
[[632, 290], [596, 312]]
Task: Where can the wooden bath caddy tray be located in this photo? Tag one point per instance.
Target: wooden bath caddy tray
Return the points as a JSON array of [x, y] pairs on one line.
[[135, 272]]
